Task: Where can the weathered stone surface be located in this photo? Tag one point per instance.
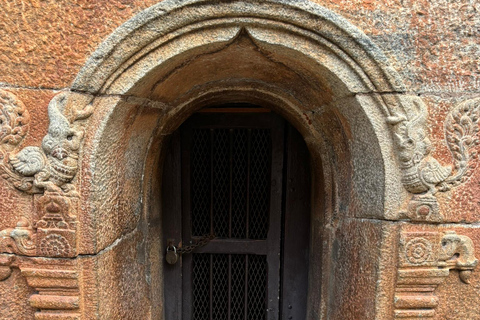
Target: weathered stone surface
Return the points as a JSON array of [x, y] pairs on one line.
[[445, 32], [46, 42], [116, 281], [15, 293], [356, 244], [429, 42]]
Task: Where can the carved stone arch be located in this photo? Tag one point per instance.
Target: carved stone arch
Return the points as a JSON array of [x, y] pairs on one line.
[[335, 86], [344, 66], [366, 134]]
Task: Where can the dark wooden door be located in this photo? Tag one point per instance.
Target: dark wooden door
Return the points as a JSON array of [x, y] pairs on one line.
[[230, 175]]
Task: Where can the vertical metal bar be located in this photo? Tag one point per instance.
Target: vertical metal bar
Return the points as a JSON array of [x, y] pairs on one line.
[[211, 286], [229, 286], [246, 288], [249, 135], [230, 228], [229, 311], [231, 185], [212, 142], [211, 181]]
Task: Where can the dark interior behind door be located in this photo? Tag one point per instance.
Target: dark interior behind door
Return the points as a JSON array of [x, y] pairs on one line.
[[232, 175]]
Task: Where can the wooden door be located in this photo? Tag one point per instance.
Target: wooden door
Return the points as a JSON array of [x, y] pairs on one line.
[[230, 175]]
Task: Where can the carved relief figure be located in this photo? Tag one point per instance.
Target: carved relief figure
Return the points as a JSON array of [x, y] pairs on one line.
[[52, 167], [47, 170], [422, 174], [60, 146]]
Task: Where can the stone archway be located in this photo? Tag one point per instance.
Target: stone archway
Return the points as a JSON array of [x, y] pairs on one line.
[[304, 62]]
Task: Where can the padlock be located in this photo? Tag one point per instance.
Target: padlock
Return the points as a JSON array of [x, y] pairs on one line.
[[171, 255]]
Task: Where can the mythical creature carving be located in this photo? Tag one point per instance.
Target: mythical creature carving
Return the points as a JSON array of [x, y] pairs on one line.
[[48, 170], [458, 253], [52, 167], [422, 173]]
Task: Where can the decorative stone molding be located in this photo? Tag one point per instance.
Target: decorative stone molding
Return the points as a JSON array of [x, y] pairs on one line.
[[422, 174], [5, 266], [55, 282], [58, 295], [425, 260]]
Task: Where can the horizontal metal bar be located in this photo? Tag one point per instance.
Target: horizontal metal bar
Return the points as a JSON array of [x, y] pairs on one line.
[[235, 246]]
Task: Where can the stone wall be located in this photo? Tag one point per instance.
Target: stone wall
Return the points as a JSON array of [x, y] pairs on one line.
[[434, 45]]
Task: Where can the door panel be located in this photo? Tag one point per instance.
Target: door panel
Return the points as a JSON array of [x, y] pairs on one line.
[[232, 168]]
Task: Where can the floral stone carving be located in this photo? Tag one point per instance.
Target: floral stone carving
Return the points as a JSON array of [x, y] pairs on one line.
[[426, 259], [14, 120]]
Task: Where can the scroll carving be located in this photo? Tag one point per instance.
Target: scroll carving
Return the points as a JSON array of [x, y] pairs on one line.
[[461, 132], [422, 174], [14, 120], [458, 253], [426, 259]]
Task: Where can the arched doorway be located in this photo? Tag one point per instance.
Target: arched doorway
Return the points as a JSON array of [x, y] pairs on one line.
[[242, 174], [311, 67]]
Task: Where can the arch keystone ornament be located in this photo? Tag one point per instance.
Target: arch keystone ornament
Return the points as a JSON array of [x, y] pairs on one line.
[[94, 180]]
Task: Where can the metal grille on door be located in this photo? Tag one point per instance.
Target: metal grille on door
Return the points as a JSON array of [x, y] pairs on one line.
[[230, 197]]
